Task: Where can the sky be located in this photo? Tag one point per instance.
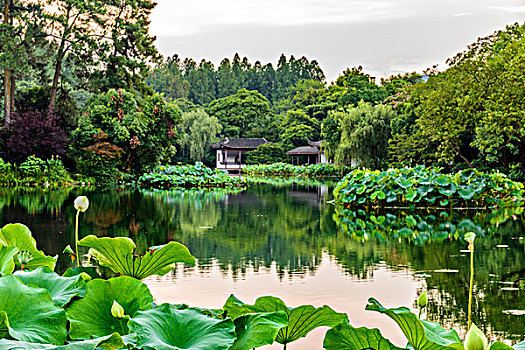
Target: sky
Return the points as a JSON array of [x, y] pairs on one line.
[[385, 37]]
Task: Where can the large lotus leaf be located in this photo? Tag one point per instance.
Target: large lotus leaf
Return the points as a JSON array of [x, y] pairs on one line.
[[301, 320], [421, 335], [111, 342], [119, 255], [345, 337], [91, 315], [255, 330], [7, 265], [167, 328], [466, 193], [30, 314], [18, 235], [448, 190], [61, 289]]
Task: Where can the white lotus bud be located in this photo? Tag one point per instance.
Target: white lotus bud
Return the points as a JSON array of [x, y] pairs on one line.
[[475, 339], [81, 203]]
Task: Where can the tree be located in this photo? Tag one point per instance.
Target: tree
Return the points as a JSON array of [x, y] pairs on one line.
[[203, 84], [167, 78], [365, 131], [267, 153], [227, 80], [297, 128], [146, 133], [242, 114], [197, 130], [475, 108], [355, 85]]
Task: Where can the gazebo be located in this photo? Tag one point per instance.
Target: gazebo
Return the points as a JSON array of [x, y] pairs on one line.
[[231, 152], [313, 152]]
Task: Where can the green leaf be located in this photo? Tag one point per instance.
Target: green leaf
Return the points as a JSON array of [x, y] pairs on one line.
[[7, 264], [421, 335], [29, 313], [301, 320], [442, 180], [119, 255], [255, 330], [91, 315], [346, 337], [466, 193], [411, 195], [166, 328], [39, 259], [18, 235], [61, 289], [75, 271], [448, 190], [404, 183], [111, 342]]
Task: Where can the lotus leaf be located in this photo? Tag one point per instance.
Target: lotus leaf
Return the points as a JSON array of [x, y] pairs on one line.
[[255, 330], [37, 259], [111, 342], [18, 235], [75, 271], [421, 334], [7, 265], [301, 320], [91, 315], [345, 337], [119, 255], [29, 313], [61, 289], [167, 328]]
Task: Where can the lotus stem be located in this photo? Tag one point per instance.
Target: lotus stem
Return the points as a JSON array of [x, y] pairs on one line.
[[284, 346], [471, 286], [76, 239]]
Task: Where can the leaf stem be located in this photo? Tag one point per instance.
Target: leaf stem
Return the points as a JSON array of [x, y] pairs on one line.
[[76, 238], [471, 287]]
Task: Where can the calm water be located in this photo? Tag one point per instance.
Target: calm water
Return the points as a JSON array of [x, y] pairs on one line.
[[283, 239]]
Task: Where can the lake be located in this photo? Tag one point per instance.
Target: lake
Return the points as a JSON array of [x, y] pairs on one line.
[[283, 239]]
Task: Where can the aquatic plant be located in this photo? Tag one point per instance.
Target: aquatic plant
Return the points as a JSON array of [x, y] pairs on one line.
[[119, 254], [428, 187], [188, 176], [285, 169], [81, 205]]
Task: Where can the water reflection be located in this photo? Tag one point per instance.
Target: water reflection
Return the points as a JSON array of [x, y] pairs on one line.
[[284, 239]]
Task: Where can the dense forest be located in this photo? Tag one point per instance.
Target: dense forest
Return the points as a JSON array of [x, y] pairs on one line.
[[83, 80]]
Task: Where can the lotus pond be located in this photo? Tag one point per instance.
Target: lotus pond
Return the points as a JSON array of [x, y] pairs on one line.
[[284, 239]]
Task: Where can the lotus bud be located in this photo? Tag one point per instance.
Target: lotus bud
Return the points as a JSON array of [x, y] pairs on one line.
[[117, 310], [81, 203], [469, 237], [85, 277], [422, 300], [475, 339]]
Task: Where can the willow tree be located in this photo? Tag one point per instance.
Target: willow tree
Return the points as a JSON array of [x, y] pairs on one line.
[[365, 131], [197, 130]]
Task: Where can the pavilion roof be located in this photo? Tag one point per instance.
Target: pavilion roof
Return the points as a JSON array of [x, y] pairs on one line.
[[244, 143], [303, 150]]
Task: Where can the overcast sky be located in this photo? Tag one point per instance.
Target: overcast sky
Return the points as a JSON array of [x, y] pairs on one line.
[[384, 36]]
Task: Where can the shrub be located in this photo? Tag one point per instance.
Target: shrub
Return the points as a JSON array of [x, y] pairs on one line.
[[267, 153]]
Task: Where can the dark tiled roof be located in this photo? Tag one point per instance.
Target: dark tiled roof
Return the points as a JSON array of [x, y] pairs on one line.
[[240, 143], [304, 150], [315, 143]]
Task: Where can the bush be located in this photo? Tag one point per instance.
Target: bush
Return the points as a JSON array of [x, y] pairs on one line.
[[283, 169], [267, 153]]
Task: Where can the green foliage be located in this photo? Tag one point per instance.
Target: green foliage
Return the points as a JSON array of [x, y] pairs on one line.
[[166, 328], [121, 256], [267, 153], [346, 337], [297, 128], [61, 289], [301, 320], [258, 329], [187, 176], [244, 114], [475, 108], [284, 169], [198, 130], [27, 255], [91, 316], [365, 131], [35, 171], [354, 86], [28, 314], [421, 186], [124, 134]]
